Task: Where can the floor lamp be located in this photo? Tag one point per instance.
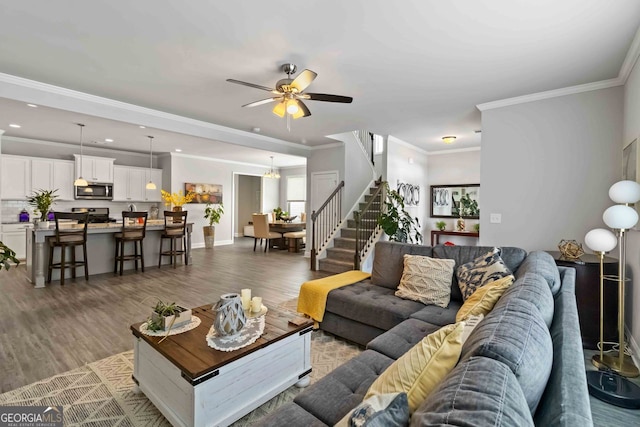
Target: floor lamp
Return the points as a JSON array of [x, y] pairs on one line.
[[608, 384]]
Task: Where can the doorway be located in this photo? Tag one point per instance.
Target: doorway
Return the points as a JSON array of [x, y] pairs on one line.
[[248, 201], [322, 185]]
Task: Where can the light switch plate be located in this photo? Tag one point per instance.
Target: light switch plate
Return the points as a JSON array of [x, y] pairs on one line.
[[495, 218]]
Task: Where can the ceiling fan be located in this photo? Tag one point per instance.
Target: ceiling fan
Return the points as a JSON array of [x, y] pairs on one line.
[[289, 93]]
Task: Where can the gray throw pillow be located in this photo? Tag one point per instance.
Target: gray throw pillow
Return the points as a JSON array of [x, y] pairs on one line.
[[382, 410], [482, 270]]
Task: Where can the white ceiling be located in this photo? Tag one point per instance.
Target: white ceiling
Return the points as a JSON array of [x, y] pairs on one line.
[[415, 68]]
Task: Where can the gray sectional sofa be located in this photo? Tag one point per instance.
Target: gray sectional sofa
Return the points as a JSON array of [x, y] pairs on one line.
[[522, 365]]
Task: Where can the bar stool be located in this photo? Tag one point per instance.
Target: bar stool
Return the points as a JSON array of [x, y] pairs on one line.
[[134, 226], [175, 227], [71, 237]]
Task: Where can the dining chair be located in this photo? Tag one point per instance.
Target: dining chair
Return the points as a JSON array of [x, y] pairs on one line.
[[261, 230]]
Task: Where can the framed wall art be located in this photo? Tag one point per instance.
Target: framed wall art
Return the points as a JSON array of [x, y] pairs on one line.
[[454, 201], [205, 193]]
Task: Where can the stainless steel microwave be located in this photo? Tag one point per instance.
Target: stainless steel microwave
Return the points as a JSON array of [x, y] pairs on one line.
[[94, 191]]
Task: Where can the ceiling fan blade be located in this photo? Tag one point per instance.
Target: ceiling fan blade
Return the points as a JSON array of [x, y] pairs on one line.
[[280, 109], [303, 80], [303, 111], [264, 101], [268, 89], [328, 98]]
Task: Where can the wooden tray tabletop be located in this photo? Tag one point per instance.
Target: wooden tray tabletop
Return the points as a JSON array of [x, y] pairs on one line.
[[189, 350]]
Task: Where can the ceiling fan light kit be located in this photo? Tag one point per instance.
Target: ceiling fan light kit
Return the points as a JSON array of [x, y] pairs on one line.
[[289, 94]]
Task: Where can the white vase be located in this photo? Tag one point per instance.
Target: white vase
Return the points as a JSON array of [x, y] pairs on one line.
[[42, 224], [229, 316]]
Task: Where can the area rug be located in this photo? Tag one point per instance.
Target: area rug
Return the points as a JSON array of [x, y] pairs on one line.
[[100, 393]]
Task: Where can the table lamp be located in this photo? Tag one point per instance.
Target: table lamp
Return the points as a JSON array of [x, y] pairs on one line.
[[608, 384]]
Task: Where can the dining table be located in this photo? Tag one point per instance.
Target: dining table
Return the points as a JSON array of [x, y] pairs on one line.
[[280, 226]]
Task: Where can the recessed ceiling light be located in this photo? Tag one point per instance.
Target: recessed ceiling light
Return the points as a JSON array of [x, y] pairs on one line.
[[304, 141], [256, 130], [32, 105], [13, 125], [179, 150], [108, 140], [142, 127]]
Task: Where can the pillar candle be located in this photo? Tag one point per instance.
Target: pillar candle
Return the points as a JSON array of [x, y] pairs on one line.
[[245, 294], [256, 304]]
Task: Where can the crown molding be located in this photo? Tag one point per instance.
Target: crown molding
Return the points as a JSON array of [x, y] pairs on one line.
[[630, 60], [231, 162], [45, 94], [391, 138], [571, 90], [455, 150], [327, 146], [75, 147]]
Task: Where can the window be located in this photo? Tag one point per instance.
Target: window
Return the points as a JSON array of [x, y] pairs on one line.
[[378, 144], [296, 194]]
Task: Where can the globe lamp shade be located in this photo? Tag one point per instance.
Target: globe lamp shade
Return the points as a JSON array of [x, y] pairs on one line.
[[600, 240], [625, 192], [620, 217]]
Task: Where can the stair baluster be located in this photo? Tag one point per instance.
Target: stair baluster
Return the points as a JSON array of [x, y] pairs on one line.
[[325, 221], [367, 223]]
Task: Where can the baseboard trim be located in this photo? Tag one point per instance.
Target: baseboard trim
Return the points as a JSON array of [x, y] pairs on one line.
[[635, 350], [217, 243]]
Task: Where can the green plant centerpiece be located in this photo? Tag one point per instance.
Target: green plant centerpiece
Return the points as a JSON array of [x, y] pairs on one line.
[[476, 228], [396, 222], [441, 225], [213, 214], [166, 316], [7, 255], [279, 213], [42, 200]]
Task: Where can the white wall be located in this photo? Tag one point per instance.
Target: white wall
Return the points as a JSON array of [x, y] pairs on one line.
[[358, 171], [186, 168], [323, 160], [399, 169], [462, 167], [632, 131], [547, 166]]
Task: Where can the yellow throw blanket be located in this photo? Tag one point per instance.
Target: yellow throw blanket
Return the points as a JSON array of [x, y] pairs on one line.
[[313, 294]]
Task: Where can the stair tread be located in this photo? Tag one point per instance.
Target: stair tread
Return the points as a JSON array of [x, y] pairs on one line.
[[340, 250], [336, 261]]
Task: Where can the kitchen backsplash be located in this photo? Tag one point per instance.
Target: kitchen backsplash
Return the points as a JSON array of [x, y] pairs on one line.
[[10, 209]]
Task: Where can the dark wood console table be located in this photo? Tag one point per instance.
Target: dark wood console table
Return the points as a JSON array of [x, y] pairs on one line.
[[588, 297], [435, 235]]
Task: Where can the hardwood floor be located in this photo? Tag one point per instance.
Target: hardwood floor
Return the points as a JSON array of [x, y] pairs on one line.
[[52, 330]]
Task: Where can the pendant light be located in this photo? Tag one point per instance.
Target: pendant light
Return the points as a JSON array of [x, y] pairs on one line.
[[272, 173], [80, 181], [150, 184]]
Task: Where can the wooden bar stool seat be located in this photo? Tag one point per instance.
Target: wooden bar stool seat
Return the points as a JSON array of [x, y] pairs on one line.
[[134, 226], [175, 229], [71, 238]]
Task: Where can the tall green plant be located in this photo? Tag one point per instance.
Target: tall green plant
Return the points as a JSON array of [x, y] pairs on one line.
[[42, 201], [7, 255], [399, 225], [213, 214]]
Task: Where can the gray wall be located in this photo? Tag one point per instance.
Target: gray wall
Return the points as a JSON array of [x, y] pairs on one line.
[[547, 166], [631, 132], [284, 173], [323, 160]]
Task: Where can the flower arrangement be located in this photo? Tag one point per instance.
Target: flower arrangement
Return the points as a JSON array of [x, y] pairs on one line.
[[177, 199]]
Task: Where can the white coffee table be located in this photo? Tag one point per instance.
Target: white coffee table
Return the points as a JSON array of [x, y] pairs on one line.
[[195, 385]]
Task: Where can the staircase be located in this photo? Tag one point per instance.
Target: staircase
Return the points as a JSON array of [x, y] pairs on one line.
[[340, 257]]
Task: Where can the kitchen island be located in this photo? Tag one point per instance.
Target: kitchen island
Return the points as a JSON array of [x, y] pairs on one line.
[[100, 250]]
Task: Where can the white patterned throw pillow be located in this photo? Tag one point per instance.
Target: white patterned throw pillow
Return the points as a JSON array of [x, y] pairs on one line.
[[426, 280], [482, 270]]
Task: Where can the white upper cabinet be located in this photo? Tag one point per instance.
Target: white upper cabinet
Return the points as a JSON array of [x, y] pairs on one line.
[[42, 174], [129, 184], [95, 169], [63, 178], [16, 177]]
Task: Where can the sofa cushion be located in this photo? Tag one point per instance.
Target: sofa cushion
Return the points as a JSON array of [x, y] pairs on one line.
[[542, 263], [511, 256], [373, 305], [388, 262], [515, 334], [484, 269], [533, 288], [483, 299], [438, 315], [426, 280], [419, 371], [289, 414], [382, 410], [342, 389], [478, 392], [401, 338]]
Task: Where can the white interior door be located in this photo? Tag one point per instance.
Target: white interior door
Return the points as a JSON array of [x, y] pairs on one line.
[[322, 185]]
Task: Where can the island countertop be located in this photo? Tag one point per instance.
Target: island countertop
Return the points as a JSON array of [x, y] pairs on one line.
[[100, 248]]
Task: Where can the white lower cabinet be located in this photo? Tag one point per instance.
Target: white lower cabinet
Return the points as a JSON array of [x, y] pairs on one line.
[[15, 237]]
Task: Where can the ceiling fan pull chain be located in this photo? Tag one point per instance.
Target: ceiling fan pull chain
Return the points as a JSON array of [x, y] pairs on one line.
[[288, 122]]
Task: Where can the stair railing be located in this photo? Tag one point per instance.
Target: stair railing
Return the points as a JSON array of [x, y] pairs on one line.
[[367, 224], [366, 141], [325, 221]]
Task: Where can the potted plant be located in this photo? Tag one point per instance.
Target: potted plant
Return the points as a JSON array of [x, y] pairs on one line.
[[441, 225], [42, 200], [396, 221], [6, 256], [213, 215], [167, 316], [280, 214]]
